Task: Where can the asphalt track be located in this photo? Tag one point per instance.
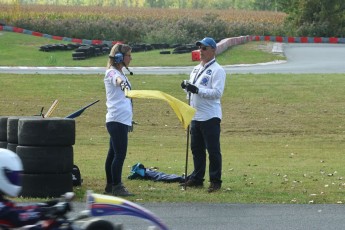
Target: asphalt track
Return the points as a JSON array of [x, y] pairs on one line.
[[301, 58], [197, 216]]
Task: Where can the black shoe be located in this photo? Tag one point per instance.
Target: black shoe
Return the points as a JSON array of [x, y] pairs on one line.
[[214, 187], [192, 183], [120, 190], [108, 189]]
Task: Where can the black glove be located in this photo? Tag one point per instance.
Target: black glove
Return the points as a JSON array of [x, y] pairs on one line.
[[131, 128], [192, 88], [124, 85], [183, 84]]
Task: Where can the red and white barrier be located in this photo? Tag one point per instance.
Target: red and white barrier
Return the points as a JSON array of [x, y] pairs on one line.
[[38, 34], [228, 42], [298, 39]]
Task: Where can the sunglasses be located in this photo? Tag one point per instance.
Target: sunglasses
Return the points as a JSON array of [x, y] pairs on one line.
[[203, 47]]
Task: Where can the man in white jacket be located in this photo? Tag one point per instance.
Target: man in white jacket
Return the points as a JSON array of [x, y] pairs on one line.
[[205, 89]]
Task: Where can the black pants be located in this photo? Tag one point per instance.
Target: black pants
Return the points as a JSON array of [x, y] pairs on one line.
[[117, 151], [205, 135]]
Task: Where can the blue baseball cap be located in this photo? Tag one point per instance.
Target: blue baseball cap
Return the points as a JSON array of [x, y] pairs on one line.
[[207, 42]]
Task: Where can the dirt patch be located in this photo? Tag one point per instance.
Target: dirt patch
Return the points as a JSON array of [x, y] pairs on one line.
[[271, 47], [266, 47]]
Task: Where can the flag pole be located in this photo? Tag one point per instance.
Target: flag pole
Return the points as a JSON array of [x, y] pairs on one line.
[[187, 148]]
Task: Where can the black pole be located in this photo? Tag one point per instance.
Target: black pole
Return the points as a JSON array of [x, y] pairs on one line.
[[187, 148]]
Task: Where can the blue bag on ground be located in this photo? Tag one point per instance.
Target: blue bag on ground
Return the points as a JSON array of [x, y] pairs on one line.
[[138, 171]]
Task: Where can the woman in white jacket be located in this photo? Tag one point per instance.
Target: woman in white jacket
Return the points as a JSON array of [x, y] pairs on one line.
[[118, 118]]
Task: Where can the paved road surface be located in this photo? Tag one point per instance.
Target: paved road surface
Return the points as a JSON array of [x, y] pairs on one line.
[[196, 216], [303, 58]]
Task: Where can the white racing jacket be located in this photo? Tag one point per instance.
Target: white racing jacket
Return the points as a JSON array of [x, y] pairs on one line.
[[210, 79]]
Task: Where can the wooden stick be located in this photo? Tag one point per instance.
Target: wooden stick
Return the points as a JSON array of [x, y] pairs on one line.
[[51, 109]]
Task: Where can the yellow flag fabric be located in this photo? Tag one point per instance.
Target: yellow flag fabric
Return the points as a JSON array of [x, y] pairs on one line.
[[183, 111]]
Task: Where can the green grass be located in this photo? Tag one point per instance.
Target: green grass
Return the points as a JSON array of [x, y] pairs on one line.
[[23, 50], [282, 135]]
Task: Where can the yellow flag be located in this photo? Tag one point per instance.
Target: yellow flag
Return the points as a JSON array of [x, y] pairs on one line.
[[183, 111]]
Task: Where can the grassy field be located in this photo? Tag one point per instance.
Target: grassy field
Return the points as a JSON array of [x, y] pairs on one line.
[[282, 135]]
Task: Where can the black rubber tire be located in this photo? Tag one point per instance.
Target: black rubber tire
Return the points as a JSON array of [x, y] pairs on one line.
[[98, 224], [180, 51], [3, 128], [12, 147], [3, 144], [78, 54], [12, 127], [46, 185], [165, 52], [79, 58], [46, 159], [46, 132]]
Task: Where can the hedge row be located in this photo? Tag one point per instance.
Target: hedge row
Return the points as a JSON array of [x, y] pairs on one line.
[[131, 30]]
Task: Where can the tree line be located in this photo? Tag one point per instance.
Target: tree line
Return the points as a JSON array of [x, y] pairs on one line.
[[323, 18]]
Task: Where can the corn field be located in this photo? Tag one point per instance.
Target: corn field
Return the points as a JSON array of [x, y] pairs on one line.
[[138, 25]]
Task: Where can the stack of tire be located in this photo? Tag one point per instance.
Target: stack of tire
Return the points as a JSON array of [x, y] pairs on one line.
[[184, 49], [160, 46], [87, 51], [55, 47], [141, 47], [3, 132], [45, 146]]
